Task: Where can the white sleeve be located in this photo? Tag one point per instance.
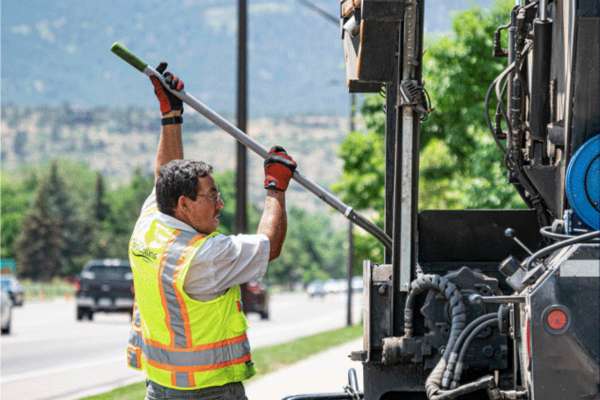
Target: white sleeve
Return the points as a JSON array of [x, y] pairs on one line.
[[150, 201], [226, 261]]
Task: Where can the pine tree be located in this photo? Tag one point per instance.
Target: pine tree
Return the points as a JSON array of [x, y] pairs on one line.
[[100, 207], [76, 230], [39, 246], [101, 243]]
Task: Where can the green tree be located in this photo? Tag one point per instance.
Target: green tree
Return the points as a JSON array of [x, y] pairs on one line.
[[312, 250], [459, 160], [39, 246], [17, 194], [76, 228], [69, 198], [100, 207], [126, 203]]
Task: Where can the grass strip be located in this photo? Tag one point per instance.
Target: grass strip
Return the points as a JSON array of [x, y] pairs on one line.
[[266, 360], [58, 288]]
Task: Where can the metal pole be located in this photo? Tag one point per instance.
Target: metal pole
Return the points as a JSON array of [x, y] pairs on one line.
[[350, 233], [241, 217], [350, 272]]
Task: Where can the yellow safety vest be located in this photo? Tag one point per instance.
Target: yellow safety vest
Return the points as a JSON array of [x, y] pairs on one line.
[[177, 341]]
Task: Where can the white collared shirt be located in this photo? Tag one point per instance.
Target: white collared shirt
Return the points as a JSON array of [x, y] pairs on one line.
[[222, 261]]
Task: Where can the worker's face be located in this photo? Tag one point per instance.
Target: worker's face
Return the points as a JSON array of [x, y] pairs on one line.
[[204, 211]]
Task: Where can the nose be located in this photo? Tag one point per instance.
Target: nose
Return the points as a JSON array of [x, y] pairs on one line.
[[220, 204]]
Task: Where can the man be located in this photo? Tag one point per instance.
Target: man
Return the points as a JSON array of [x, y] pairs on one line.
[[189, 331]]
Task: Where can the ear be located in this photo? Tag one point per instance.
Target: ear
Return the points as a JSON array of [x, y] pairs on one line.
[[182, 203], [182, 209]]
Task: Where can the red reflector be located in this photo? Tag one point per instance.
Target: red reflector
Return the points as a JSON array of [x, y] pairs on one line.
[[77, 286], [557, 320]]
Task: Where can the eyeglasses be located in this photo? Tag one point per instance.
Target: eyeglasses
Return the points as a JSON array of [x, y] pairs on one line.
[[215, 198]]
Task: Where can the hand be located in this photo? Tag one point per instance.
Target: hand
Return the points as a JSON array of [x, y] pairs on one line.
[[279, 168], [168, 101]]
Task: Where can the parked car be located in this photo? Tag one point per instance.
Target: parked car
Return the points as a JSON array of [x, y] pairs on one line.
[[316, 288], [6, 305], [332, 286], [257, 298], [104, 285], [14, 289]]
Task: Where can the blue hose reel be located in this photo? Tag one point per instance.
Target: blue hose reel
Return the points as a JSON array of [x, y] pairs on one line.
[[583, 183]]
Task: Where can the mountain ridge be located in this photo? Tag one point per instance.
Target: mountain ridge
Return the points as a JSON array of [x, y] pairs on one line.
[[61, 52]]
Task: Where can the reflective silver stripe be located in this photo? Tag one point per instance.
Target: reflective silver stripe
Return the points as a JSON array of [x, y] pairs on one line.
[[133, 359], [182, 379], [190, 358], [136, 316], [175, 314], [199, 357], [135, 339]]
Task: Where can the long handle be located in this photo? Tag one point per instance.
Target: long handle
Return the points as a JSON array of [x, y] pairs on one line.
[[256, 147]]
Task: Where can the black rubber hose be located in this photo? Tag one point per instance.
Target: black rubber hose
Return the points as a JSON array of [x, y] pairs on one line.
[[546, 231], [448, 375], [463, 352], [458, 314], [487, 382], [488, 119], [450, 292], [549, 249]]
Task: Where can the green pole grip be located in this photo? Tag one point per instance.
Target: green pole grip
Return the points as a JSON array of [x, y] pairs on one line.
[[128, 56]]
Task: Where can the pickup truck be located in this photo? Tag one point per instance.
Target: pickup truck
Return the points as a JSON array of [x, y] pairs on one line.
[[104, 285]]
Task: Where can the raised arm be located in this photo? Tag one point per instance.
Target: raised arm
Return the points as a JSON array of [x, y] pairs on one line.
[[170, 145], [279, 168]]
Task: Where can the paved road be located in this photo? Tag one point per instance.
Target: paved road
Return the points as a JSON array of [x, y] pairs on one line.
[[49, 355]]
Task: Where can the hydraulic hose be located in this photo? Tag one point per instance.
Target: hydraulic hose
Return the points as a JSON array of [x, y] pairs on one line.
[[458, 314], [488, 119], [448, 375], [450, 292], [549, 249], [547, 232], [487, 382], [497, 82], [463, 352]]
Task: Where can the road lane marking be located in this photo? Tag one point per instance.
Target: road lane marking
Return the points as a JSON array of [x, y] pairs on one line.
[[57, 370]]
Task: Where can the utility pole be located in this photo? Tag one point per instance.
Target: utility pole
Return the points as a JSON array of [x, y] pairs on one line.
[[241, 225], [350, 233], [241, 217]]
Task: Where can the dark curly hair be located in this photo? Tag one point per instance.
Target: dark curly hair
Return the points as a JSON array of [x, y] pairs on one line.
[[178, 178]]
